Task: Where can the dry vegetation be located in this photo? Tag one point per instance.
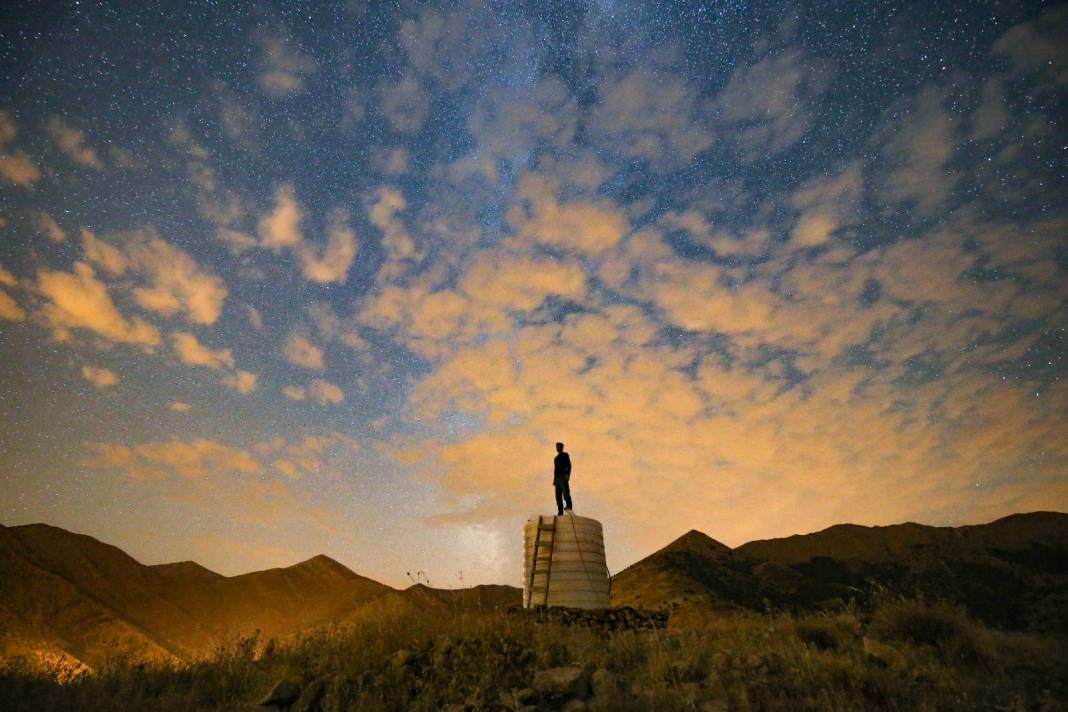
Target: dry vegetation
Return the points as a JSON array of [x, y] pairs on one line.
[[903, 655]]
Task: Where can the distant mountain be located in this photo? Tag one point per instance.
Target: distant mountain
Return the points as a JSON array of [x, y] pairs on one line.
[[1012, 572], [70, 595]]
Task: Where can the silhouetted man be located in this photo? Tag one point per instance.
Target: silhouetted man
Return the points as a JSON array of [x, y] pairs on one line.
[[562, 479]]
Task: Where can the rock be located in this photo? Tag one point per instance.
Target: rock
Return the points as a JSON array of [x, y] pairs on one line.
[[563, 682], [754, 661], [526, 696], [603, 682], [401, 658], [575, 706], [883, 655], [285, 693], [311, 700]]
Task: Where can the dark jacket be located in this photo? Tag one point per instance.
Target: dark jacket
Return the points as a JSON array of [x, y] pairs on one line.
[[561, 468]]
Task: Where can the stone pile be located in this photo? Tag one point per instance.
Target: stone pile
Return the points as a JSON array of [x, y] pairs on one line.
[[612, 619]]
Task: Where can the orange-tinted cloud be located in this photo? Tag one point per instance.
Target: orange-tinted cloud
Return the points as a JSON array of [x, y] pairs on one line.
[[194, 353], [15, 167], [71, 141], [539, 215], [283, 66], [78, 300], [99, 376], [172, 282], [300, 351], [652, 116]]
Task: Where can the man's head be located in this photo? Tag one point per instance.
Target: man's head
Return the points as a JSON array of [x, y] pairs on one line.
[[559, 447]]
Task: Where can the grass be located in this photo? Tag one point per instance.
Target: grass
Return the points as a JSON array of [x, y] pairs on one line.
[[903, 655]]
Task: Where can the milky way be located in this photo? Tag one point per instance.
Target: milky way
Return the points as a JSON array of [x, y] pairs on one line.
[[303, 279]]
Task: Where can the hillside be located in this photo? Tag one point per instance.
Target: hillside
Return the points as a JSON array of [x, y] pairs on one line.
[[1011, 573], [70, 595]]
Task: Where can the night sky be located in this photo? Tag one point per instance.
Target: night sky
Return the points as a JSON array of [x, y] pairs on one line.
[[334, 279]]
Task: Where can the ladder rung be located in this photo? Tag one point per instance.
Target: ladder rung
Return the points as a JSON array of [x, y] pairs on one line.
[[547, 527]]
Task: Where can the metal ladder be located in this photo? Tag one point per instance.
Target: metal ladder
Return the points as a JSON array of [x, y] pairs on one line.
[[535, 558]]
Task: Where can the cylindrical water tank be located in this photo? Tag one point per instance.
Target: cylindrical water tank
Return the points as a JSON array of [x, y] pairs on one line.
[[568, 563]]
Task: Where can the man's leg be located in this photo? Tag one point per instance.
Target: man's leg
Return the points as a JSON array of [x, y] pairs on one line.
[[567, 494], [559, 502]]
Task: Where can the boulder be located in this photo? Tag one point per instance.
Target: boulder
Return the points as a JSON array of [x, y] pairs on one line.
[[282, 695], [526, 696], [311, 699], [563, 682]]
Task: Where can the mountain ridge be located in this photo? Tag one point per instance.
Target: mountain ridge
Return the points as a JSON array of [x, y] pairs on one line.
[[68, 593]]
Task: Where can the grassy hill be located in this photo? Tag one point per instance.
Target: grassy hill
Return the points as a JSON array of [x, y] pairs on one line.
[[899, 617]]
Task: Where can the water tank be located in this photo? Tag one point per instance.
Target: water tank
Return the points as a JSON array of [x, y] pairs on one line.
[[566, 555]]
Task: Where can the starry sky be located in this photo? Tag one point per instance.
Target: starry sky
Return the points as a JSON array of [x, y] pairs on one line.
[[333, 278]]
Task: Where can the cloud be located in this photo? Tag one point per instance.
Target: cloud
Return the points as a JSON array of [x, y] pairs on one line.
[[512, 123], [172, 281], [332, 262], [46, 225], [243, 382], [770, 105], [400, 247], [445, 46], [493, 289], [194, 353], [1037, 47], [71, 141], [9, 308], [825, 205], [78, 300], [650, 115], [296, 393], [325, 392], [179, 407], [215, 203], [392, 161], [539, 215], [281, 227], [15, 168], [404, 103], [500, 282], [992, 114], [236, 241], [721, 439], [255, 319], [300, 351], [196, 459], [99, 376], [283, 66], [329, 326], [917, 144]]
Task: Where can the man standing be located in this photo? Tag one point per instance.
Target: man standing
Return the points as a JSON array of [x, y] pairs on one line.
[[562, 479]]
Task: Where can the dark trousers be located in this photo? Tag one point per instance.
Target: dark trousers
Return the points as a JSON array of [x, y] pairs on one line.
[[563, 494]]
